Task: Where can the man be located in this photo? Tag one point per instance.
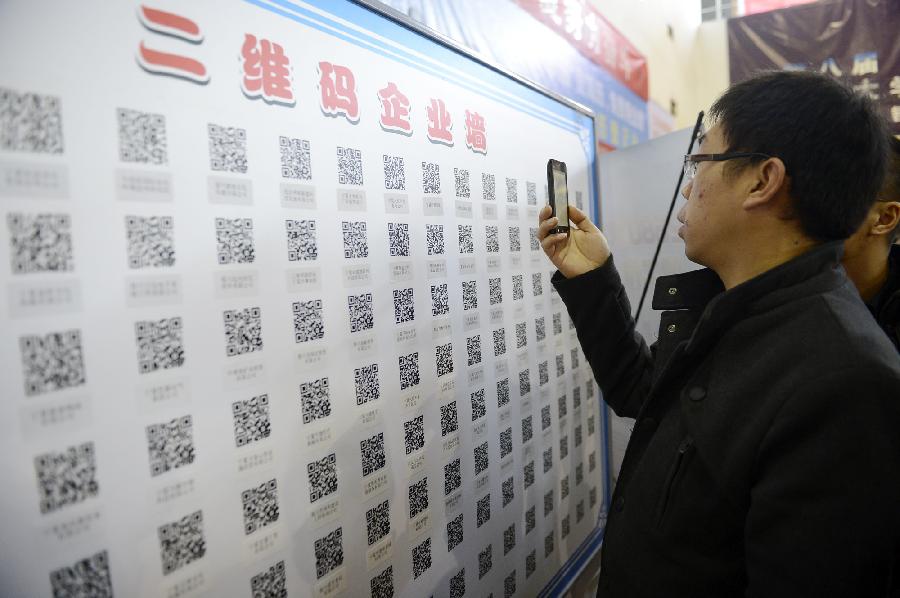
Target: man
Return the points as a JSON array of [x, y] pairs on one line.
[[872, 257], [765, 457]]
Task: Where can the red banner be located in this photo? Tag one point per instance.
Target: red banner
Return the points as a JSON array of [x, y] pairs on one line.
[[588, 31]]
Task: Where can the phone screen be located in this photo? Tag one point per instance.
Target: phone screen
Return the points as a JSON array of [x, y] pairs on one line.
[[561, 197]]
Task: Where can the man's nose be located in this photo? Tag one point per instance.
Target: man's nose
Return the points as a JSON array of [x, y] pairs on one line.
[[686, 190]]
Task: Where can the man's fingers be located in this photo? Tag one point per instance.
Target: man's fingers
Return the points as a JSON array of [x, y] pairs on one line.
[[545, 227], [580, 219], [551, 242], [544, 213]]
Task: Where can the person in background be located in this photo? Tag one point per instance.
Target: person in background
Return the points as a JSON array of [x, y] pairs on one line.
[[765, 457], [872, 256]]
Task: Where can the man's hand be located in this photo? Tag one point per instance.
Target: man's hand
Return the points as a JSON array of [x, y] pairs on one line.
[[584, 249]]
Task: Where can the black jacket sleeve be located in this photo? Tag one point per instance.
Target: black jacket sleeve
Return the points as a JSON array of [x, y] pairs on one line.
[[619, 357]]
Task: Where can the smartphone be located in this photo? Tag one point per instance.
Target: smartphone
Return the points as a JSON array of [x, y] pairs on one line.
[[559, 195]]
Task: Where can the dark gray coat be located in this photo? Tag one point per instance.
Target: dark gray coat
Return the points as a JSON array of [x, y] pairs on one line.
[[765, 459]]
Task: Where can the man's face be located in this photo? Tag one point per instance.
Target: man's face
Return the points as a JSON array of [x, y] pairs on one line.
[[710, 217]]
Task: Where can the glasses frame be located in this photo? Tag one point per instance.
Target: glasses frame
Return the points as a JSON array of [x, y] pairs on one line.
[[692, 161]]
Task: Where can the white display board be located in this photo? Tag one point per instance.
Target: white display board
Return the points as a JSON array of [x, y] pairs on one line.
[[633, 210], [275, 322]]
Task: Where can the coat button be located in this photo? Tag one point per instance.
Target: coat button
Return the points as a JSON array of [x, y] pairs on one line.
[[697, 393], [671, 328], [672, 290], [620, 505]]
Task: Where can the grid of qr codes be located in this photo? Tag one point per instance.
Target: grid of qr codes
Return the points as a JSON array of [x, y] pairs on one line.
[[387, 393]]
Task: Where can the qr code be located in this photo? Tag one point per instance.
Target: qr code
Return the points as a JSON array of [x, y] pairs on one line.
[[421, 558], [251, 420], [181, 542], [543, 373], [301, 240], [466, 244], [518, 287], [564, 447], [30, 122], [524, 382], [495, 291], [470, 294], [434, 238], [458, 584], [548, 498], [483, 510], [159, 344], [548, 545], [514, 239], [418, 497], [322, 476], [308, 322], [592, 496], [227, 148], [52, 362], [531, 193], [355, 244], [361, 314], [234, 239], [509, 493], [271, 583], [329, 551], [527, 428], [479, 407], [454, 532], [521, 335], [509, 542], [537, 286], [40, 242], [591, 426], [461, 176], [589, 385], [488, 187], [414, 434], [260, 506], [443, 355], [592, 461], [579, 202], [151, 242], [492, 239], [170, 444], [506, 445], [296, 161], [564, 527], [142, 137], [509, 582], [404, 306], [579, 511], [512, 194], [440, 300], [409, 370], [378, 522], [481, 457], [528, 474], [560, 366], [315, 402], [562, 406], [382, 585], [579, 469], [398, 239], [243, 331], [531, 513], [431, 178], [394, 173], [557, 323], [564, 488], [499, 341], [449, 420], [349, 162], [87, 578], [545, 417], [533, 239], [365, 380], [502, 392], [540, 329], [67, 477], [452, 476], [372, 453], [485, 563], [548, 459], [576, 397], [530, 563]]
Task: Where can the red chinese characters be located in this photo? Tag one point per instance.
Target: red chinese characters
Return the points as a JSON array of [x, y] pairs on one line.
[[337, 91], [166, 63], [394, 110], [476, 138], [439, 123], [267, 71]]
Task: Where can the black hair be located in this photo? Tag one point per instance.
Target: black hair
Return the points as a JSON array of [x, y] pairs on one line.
[[890, 191], [833, 143]]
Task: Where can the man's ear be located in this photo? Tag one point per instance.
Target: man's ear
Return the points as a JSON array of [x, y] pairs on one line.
[[888, 218], [767, 180]]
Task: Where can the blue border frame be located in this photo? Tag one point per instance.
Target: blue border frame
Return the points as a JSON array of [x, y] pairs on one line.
[[536, 104]]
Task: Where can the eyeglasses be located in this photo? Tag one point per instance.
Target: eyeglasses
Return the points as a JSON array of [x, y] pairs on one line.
[[691, 161]]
